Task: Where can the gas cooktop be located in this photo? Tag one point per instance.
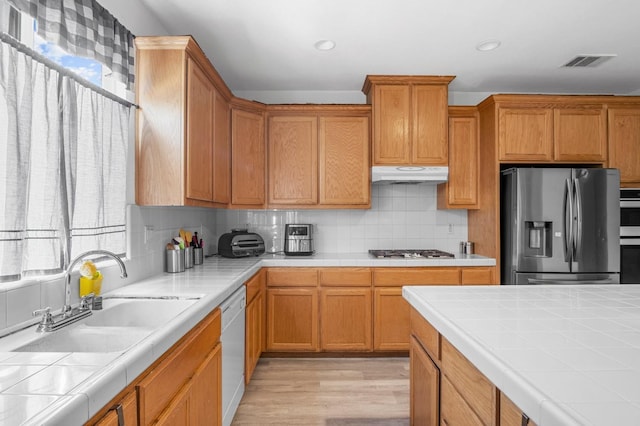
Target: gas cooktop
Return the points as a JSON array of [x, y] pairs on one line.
[[412, 253]]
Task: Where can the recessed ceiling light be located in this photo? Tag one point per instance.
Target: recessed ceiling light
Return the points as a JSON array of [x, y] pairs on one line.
[[325, 44], [488, 45]]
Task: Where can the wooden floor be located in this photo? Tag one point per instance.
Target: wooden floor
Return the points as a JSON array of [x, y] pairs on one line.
[[327, 391]]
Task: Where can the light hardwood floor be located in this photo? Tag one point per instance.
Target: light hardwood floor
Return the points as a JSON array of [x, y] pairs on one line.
[[327, 391]]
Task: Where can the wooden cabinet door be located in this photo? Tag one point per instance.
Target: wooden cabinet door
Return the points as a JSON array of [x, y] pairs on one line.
[[129, 408], [454, 410], [293, 160], [511, 415], [424, 387], [221, 151], [247, 159], [461, 191], [345, 319], [254, 315], [206, 391], [292, 319], [429, 141], [477, 275], [178, 411], [624, 143], [580, 134], [200, 116], [391, 132], [525, 134], [391, 323], [344, 161]]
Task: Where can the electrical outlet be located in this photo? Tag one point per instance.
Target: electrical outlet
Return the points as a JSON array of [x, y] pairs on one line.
[[451, 228], [148, 233]]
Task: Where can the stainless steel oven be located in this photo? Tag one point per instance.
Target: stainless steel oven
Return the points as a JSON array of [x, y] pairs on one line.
[[630, 236]]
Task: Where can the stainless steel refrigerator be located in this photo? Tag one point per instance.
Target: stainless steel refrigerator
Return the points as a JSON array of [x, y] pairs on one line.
[[560, 226]]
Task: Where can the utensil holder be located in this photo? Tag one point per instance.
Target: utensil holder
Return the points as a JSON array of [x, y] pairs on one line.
[[188, 257], [174, 260], [198, 256]]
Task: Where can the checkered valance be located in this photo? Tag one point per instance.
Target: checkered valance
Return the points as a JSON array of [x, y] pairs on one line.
[[84, 28]]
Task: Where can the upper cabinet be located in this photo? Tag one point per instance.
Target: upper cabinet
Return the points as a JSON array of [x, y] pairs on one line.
[[409, 119], [248, 164], [182, 139], [461, 190], [318, 156], [624, 142], [541, 129]]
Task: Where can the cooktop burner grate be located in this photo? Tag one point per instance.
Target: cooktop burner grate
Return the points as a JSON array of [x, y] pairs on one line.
[[411, 254]]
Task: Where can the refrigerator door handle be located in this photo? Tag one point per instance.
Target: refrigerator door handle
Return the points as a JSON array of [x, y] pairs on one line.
[[577, 233], [554, 281], [567, 224]]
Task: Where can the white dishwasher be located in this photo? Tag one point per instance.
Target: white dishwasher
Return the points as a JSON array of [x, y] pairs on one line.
[[232, 338]]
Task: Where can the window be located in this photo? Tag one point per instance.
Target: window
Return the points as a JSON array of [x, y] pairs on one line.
[[63, 168]]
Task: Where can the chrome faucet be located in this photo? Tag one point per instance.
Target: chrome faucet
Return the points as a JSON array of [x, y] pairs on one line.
[[66, 309], [68, 314]]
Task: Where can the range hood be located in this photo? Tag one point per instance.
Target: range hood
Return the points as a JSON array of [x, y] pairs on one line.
[[409, 174]]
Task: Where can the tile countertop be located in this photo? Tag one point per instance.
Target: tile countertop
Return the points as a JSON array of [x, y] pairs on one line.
[[69, 388], [564, 354]]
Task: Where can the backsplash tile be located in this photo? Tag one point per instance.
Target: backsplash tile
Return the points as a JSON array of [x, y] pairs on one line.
[[401, 216], [21, 302]]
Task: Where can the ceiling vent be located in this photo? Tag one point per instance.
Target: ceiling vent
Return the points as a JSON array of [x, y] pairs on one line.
[[590, 61]]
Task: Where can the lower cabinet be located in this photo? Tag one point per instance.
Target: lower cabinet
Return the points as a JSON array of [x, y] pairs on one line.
[[183, 387], [447, 389], [391, 320], [124, 412], [254, 323], [292, 319], [346, 319], [425, 387]]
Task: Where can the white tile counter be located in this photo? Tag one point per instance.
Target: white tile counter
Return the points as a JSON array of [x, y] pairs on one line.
[[564, 354], [69, 388]]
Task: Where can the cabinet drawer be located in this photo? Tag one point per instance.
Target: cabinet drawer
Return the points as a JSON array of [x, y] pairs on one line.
[[254, 285], [292, 277], [345, 277], [424, 332], [477, 276], [415, 276], [472, 385], [165, 380], [454, 410], [510, 414]]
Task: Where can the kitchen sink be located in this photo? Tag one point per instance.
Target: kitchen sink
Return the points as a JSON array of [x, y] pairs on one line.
[[87, 339], [137, 312], [121, 324]]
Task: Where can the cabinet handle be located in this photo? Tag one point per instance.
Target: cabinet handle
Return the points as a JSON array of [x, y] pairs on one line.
[[120, 413], [525, 420]]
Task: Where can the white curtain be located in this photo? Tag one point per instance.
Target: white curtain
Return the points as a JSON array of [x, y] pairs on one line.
[[62, 168]]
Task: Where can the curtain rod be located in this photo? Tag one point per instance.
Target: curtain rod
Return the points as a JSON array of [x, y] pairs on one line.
[[6, 38]]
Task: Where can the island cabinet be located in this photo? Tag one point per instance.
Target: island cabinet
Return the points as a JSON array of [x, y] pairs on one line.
[[183, 149], [447, 389], [182, 387], [248, 155], [409, 119], [255, 334], [461, 190], [318, 156], [543, 129], [624, 141]]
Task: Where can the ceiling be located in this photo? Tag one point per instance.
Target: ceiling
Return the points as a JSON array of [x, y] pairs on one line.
[[268, 45]]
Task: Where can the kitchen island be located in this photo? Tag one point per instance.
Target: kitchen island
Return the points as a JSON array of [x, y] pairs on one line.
[[70, 388], [563, 355]]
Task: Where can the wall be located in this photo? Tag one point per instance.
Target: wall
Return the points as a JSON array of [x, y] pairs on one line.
[[401, 216]]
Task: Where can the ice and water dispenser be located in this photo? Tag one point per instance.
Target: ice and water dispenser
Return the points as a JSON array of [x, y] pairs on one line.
[[538, 239]]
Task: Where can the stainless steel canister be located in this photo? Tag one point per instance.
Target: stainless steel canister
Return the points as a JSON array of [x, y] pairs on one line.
[[188, 257], [466, 247], [198, 255], [174, 260]]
